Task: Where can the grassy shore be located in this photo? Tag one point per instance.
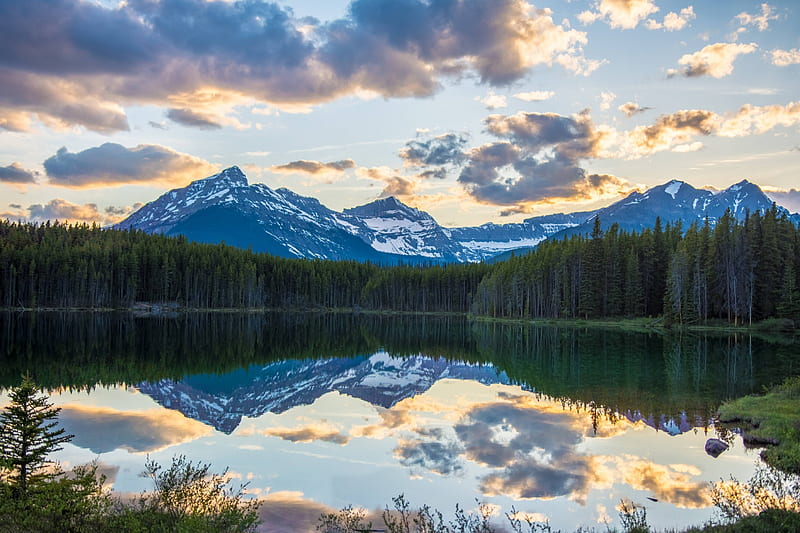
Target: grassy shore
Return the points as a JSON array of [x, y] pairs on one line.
[[772, 420]]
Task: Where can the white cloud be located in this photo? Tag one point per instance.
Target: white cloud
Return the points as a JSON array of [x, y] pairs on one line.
[[715, 60], [762, 91], [690, 147], [492, 100], [760, 21], [606, 99], [677, 21], [623, 14], [784, 58], [535, 96], [672, 21]]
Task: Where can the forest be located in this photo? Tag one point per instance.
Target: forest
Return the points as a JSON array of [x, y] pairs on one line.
[[736, 271]]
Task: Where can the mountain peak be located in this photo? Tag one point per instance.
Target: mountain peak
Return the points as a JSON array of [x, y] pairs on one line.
[[383, 206], [232, 175], [744, 184]]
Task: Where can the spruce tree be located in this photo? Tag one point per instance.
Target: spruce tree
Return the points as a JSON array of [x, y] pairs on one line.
[[28, 435]]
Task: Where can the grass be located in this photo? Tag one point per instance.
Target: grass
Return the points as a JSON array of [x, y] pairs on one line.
[[773, 420], [770, 521]]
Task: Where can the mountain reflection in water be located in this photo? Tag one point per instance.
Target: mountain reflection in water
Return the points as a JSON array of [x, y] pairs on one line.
[[320, 411]]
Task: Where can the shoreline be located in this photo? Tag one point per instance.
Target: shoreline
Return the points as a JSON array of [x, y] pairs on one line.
[[773, 327]]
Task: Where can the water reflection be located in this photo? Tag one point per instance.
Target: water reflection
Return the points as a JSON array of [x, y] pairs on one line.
[[321, 411]]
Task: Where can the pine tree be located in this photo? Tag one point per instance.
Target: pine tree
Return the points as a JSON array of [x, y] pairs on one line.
[[28, 434]]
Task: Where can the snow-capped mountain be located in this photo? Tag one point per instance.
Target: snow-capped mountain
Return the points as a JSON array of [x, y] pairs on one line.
[[677, 200], [489, 240], [390, 226], [380, 379], [224, 207]]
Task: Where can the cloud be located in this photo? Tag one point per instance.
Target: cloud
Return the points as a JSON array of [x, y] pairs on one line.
[[440, 457], [669, 131], [755, 120], [114, 164], [760, 21], [784, 58], [689, 147], [623, 14], [437, 151], [401, 187], [715, 60], [102, 429], [309, 434], [670, 483], [630, 109], [678, 131], [81, 63], [536, 160], [57, 102], [535, 96], [287, 512], [192, 119], [493, 100], [762, 91], [63, 210], [314, 167], [673, 21], [15, 173], [115, 214], [789, 199], [606, 99], [533, 451]]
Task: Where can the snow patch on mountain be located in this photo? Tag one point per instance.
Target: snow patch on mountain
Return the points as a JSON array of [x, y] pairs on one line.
[[379, 379], [225, 207], [673, 188]]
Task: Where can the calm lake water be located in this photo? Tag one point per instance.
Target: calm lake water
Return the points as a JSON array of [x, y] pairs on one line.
[[320, 411]]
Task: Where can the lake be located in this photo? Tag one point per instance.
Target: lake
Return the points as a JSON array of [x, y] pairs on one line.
[[317, 411]]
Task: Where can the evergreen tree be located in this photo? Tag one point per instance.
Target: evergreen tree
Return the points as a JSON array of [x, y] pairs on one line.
[[28, 436]]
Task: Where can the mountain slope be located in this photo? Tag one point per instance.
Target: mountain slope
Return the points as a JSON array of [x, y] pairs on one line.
[[224, 207], [678, 201], [379, 379]]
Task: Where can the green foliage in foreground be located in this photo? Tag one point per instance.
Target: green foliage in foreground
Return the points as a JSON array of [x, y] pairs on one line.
[[768, 502], [37, 496], [774, 419]]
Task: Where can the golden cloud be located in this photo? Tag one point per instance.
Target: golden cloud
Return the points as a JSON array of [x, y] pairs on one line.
[[671, 483], [715, 60], [321, 432], [623, 14], [102, 429]]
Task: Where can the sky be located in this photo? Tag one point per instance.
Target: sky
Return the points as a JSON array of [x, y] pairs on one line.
[[472, 110]]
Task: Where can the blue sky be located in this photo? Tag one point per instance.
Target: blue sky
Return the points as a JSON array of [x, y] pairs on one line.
[[473, 110]]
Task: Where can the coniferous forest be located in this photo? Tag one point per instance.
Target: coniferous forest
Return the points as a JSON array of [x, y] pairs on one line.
[[738, 271]]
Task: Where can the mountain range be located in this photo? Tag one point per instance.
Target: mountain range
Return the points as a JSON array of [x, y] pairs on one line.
[[225, 207], [378, 379]]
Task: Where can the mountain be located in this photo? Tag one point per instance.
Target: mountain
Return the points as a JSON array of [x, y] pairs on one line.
[[225, 207], [382, 380], [677, 200]]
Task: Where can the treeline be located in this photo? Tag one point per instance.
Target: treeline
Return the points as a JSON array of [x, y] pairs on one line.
[[82, 266], [737, 271]]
